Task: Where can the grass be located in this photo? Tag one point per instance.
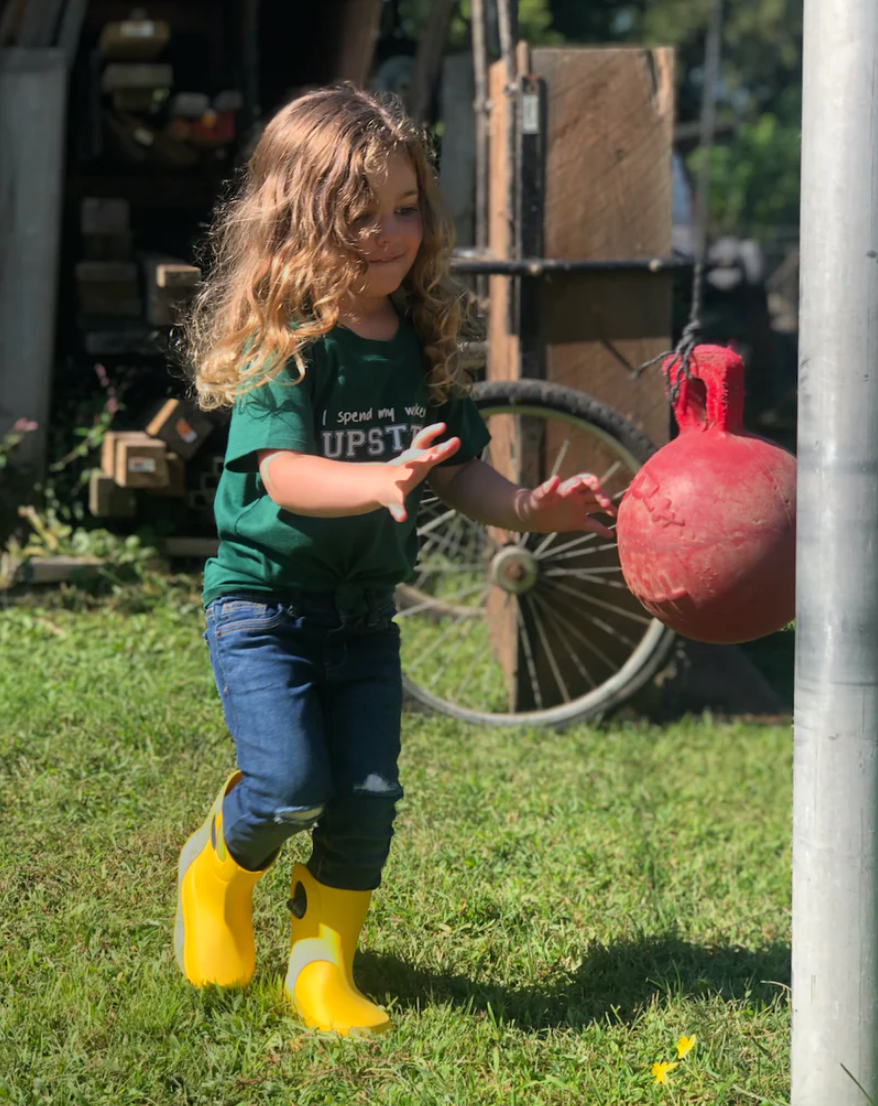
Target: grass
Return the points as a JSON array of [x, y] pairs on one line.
[[557, 911]]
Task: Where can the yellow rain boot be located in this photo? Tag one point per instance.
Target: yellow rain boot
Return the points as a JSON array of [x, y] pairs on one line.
[[326, 926], [213, 935]]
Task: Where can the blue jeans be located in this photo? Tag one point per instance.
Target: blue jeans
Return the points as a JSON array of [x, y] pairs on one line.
[[311, 689]]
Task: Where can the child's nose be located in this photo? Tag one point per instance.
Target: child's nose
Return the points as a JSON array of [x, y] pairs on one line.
[[384, 231]]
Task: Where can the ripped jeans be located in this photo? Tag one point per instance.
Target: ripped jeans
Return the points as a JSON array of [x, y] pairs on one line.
[[311, 689]]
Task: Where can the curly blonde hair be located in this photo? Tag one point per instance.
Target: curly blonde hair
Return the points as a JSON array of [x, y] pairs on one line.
[[283, 253]]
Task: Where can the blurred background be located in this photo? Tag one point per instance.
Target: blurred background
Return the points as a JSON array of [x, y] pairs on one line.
[[121, 127]]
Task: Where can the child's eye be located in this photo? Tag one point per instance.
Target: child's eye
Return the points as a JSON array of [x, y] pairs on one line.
[[408, 211]]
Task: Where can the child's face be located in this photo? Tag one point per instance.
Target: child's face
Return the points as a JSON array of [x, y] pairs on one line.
[[392, 246]]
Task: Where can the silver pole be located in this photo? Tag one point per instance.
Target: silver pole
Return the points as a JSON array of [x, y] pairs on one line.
[[835, 789]]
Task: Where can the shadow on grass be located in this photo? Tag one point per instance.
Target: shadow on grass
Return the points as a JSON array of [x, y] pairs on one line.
[[616, 982]]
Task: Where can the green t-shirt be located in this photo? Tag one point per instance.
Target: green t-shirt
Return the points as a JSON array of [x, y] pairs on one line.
[[362, 400]]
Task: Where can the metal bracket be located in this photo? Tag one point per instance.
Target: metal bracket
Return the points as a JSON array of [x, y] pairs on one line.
[[551, 266]]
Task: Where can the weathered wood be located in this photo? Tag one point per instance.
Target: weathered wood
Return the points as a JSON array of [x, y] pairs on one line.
[[607, 134], [135, 460], [181, 426], [58, 569], [107, 500], [457, 170], [608, 195], [503, 358], [169, 285], [176, 485]]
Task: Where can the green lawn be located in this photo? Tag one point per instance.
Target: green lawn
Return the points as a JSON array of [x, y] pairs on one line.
[[558, 910]]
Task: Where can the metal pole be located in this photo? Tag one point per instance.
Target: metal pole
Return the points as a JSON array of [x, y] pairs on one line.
[[835, 789]]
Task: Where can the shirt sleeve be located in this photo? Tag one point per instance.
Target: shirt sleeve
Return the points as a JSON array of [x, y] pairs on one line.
[[463, 420], [276, 415]]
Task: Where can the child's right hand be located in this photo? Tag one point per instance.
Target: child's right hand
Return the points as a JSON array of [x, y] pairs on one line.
[[401, 475]]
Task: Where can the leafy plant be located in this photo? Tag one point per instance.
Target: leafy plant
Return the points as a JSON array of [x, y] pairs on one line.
[[12, 439]]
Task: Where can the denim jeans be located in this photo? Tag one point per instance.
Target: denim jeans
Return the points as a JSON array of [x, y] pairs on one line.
[[311, 689]]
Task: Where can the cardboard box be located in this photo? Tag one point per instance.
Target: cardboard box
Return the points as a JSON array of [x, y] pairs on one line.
[[181, 426]]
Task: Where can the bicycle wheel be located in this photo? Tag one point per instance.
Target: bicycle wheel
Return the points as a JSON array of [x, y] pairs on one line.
[[530, 629]]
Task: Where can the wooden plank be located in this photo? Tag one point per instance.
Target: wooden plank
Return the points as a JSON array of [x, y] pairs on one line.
[[503, 359], [608, 195], [609, 117], [107, 500], [457, 170], [55, 570]]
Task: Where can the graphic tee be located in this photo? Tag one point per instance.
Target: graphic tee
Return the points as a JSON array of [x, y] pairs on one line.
[[362, 400]]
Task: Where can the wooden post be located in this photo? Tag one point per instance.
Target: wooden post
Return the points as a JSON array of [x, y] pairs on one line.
[[457, 171], [602, 119]]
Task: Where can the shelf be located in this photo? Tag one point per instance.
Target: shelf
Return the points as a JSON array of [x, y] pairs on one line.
[[149, 190]]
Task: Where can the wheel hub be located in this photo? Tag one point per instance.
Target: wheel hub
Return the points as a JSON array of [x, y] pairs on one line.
[[514, 569]]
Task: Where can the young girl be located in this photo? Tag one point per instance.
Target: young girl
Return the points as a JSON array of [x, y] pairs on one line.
[[329, 324]]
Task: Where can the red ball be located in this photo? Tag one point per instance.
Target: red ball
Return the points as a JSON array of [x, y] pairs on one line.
[[707, 528]]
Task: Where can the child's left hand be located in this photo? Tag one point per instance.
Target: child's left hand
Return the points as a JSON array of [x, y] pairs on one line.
[[554, 506]]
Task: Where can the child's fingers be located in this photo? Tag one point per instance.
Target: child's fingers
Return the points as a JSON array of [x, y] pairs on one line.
[[587, 482], [598, 528], [438, 453], [547, 489], [427, 435]]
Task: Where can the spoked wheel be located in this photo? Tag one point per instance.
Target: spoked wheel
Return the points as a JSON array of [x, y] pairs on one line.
[[530, 629]]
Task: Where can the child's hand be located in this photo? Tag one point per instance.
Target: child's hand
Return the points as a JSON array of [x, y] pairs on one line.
[[554, 506], [401, 475]]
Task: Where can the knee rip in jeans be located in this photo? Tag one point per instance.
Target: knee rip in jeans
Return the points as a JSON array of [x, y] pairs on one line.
[[374, 784], [302, 818]]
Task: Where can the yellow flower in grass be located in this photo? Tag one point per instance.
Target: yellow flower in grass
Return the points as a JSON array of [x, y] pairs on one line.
[[660, 1071], [684, 1045]]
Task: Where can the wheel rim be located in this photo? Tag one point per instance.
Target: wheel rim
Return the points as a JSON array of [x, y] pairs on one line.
[[526, 629]]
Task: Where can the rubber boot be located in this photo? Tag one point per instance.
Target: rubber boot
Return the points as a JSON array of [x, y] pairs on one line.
[[213, 935], [326, 926]]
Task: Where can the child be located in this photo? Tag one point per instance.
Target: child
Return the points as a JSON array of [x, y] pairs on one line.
[[329, 324]]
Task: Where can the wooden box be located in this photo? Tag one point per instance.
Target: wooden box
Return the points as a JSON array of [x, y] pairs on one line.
[[181, 426], [108, 288], [169, 285], [176, 486], [107, 500], [135, 460]]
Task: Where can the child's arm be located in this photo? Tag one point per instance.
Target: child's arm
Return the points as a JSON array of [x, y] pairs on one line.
[[316, 486], [481, 493]]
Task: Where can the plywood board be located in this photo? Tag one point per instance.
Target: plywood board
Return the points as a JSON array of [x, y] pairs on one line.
[[608, 196]]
